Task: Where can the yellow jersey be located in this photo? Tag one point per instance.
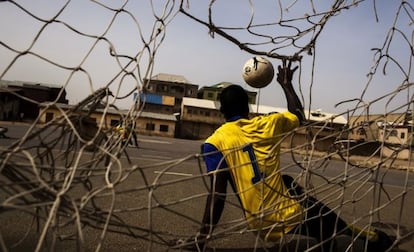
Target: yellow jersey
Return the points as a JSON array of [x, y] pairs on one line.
[[251, 149]]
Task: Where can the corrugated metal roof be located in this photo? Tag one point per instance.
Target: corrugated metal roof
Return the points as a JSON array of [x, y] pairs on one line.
[[28, 84], [316, 115], [113, 111], [200, 103], [158, 116], [263, 109]]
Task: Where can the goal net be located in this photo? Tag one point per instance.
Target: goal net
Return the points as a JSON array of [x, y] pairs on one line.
[[74, 183]]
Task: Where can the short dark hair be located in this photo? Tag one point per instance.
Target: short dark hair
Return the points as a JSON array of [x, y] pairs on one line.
[[234, 102]]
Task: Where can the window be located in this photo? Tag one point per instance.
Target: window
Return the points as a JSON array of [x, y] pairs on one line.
[[361, 131], [402, 136], [163, 128], [177, 90], [150, 126], [114, 122], [49, 116], [161, 88], [210, 94], [394, 133]]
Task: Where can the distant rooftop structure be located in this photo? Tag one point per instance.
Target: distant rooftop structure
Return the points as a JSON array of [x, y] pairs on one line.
[[111, 111], [222, 85], [170, 78], [31, 84], [213, 92], [201, 103]]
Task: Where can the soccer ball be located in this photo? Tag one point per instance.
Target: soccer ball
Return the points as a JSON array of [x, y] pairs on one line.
[[258, 72]]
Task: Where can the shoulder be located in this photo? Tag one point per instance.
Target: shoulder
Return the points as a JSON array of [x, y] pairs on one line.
[[284, 121], [223, 130], [285, 115]]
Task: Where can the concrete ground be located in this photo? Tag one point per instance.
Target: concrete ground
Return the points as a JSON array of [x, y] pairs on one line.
[[160, 195]]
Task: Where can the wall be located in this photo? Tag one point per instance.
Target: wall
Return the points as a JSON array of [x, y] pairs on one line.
[[9, 107], [203, 115], [160, 127], [144, 127]]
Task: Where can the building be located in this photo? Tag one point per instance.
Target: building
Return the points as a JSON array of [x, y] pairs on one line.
[[19, 99], [161, 102], [398, 141], [164, 93], [213, 92], [199, 118], [153, 124]]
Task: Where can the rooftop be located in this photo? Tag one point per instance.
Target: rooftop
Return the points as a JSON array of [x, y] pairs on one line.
[[9, 83], [170, 78], [167, 117]]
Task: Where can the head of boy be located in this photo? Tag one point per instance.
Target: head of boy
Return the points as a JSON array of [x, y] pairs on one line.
[[234, 102]]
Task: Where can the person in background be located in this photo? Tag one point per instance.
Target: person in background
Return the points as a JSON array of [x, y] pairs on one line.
[[131, 134], [120, 130], [127, 133]]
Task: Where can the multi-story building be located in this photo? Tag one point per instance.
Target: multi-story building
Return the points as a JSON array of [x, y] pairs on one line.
[[164, 93]]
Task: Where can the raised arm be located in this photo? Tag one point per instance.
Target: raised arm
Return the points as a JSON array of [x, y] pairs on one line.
[[284, 77]]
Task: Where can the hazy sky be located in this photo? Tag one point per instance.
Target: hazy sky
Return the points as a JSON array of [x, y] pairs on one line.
[[343, 54]]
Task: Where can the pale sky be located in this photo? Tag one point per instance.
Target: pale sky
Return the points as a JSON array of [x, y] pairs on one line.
[[343, 52]]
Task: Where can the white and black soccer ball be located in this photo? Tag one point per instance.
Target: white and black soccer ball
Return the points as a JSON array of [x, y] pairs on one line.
[[258, 72]]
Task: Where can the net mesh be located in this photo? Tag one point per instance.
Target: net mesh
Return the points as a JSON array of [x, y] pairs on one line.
[[72, 183]]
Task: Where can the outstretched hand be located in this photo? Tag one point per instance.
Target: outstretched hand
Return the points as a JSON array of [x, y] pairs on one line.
[[284, 77], [285, 73]]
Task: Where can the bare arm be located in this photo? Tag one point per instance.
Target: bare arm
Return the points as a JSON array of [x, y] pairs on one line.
[[284, 77], [212, 213], [215, 202]]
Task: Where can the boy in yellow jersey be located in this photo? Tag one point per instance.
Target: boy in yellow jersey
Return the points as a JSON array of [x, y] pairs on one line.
[[245, 153]]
